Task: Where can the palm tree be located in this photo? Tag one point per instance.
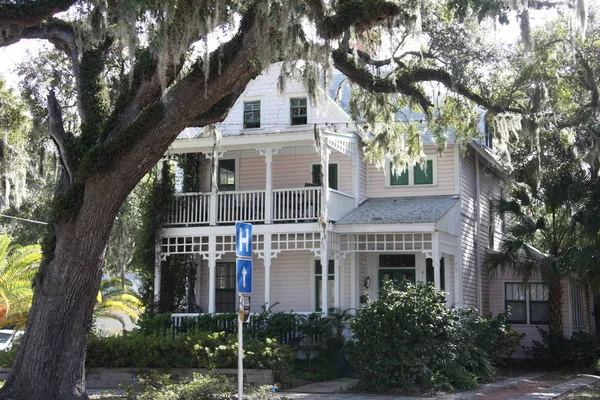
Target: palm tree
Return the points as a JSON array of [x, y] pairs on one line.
[[545, 218], [117, 300], [18, 266]]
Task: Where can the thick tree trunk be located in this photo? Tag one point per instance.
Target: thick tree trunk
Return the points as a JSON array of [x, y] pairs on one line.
[[51, 358], [555, 308]]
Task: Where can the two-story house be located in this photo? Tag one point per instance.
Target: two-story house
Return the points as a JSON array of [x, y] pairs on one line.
[[431, 223]]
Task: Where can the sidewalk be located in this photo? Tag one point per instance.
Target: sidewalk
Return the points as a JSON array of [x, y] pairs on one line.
[[519, 388], [525, 387]]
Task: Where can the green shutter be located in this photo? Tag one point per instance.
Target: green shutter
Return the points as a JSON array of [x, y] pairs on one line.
[[424, 177], [397, 180], [333, 176], [316, 174]]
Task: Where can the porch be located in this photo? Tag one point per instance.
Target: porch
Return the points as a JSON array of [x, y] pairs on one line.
[[288, 270]]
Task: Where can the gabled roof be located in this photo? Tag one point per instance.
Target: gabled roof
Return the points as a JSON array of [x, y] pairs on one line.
[[400, 210]]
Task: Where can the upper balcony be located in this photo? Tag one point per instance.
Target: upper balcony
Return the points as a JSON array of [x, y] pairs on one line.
[[283, 206]]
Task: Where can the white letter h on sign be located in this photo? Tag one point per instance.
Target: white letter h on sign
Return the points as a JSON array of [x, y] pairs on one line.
[[244, 240]]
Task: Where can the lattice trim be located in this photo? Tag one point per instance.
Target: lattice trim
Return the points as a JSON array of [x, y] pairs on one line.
[[344, 146], [384, 242], [296, 241], [448, 243]]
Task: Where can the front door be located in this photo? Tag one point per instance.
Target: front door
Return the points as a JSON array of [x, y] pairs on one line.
[[396, 275]]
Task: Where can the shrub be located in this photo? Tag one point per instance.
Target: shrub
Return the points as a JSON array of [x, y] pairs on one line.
[[581, 350], [195, 350], [409, 338], [7, 357], [201, 387]]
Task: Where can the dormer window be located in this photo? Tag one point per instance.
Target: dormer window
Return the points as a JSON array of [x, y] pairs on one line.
[[251, 114], [298, 110]]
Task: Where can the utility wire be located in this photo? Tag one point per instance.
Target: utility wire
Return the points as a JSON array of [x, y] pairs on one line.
[[23, 219]]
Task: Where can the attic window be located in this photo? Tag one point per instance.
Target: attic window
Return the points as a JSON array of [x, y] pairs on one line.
[[251, 114], [298, 110]]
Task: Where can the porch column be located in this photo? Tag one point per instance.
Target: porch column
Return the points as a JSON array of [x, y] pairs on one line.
[[198, 285], [214, 185], [356, 174], [269, 192], [435, 245], [157, 277], [325, 274], [267, 249], [337, 280], [212, 272], [354, 281]]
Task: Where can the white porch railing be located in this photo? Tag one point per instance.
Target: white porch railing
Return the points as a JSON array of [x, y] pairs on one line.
[[189, 209], [296, 204], [248, 206]]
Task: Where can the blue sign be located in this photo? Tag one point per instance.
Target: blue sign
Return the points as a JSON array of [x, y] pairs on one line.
[[243, 240], [244, 275]]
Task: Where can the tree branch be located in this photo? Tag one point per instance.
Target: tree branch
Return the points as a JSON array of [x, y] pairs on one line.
[[362, 14], [29, 13], [405, 81], [59, 136], [58, 32]]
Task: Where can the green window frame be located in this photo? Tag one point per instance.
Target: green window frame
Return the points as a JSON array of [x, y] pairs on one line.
[[333, 175], [398, 180], [319, 285], [424, 177], [226, 174], [251, 114], [298, 110]]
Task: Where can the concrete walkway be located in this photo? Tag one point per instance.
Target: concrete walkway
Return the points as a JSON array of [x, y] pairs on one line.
[[497, 390]]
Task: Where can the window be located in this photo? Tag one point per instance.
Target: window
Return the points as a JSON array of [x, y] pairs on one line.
[[538, 303], [251, 114], [413, 176], [528, 302], [398, 180], [226, 175], [333, 175], [225, 298], [298, 110], [319, 285], [516, 300], [397, 268], [424, 177]]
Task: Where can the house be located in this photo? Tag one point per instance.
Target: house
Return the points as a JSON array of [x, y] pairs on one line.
[[431, 223]]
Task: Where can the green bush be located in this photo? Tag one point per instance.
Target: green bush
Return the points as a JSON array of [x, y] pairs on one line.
[[582, 350], [194, 350], [409, 338], [7, 357], [201, 387]]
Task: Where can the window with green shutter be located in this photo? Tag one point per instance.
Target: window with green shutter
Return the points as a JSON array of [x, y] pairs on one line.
[[424, 177], [333, 175], [398, 180]]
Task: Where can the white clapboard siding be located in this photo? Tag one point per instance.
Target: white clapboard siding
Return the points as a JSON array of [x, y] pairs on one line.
[[468, 233], [291, 281]]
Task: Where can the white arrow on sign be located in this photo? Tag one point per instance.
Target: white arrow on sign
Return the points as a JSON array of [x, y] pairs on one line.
[[244, 273]]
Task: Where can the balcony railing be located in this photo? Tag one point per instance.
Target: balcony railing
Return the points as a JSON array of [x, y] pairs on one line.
[[189, 209], [287, 205]]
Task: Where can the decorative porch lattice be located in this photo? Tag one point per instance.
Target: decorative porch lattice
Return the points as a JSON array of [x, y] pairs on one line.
[[200, 245], [448, 243], [384, 242], [343, 145]]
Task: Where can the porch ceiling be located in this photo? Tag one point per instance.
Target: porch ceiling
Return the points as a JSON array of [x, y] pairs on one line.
[[400, 210]]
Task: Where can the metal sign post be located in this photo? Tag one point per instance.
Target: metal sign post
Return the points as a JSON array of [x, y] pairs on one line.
[[243, 250]]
